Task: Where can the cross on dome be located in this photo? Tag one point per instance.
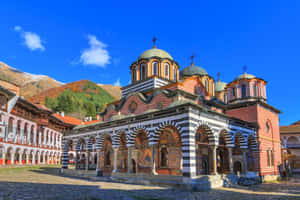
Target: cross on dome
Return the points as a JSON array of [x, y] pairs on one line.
[[192, 58], [154, 42]]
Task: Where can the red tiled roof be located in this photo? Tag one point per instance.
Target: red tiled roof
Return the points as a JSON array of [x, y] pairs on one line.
[[68, 119], [91, 122], [290, 129]]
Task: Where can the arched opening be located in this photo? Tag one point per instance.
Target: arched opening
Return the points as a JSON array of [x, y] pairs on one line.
[[250, 154], [237, 154], [31, 157], [32, 134], [202, 151], [142, 153], [155, 69], [206, 84], [107, 151], [18, 134], [244, 91], [169, 152], [24, 157], [8, 156], [10, 125], [143, 72], [17, 157], [81, 154], [122, 154], [71, 158], [222, 155], [237, 167], [167, 70], [1, 155], [133, 164], [25, 137]]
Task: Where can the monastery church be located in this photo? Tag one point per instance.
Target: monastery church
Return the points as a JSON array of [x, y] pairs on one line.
[[180, 123]]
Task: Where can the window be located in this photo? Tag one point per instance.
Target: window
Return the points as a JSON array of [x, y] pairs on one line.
[[164, 157], [225, 97], [233, 93], [254, 90], [159, 105], [133, 75], [167, 70], [244, 91], [174, 74], [155, 68], [132, 107], [270, 158], [143, 72], [267, 127], [206, 85]]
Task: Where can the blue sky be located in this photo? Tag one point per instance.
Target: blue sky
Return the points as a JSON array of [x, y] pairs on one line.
[[63, 39]]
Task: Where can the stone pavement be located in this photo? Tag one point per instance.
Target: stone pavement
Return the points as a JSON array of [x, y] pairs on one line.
[[46, 183]]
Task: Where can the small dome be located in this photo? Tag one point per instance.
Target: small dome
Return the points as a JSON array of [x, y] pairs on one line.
[[193, 70], [155, 53], [244, 76], [220, 86]]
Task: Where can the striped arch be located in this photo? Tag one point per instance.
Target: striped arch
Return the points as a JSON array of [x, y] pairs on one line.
[[243, 143], [228, 139], [211, 136], [116, 138], [154, 137], [252, 142], [131, 136], [102, 138]]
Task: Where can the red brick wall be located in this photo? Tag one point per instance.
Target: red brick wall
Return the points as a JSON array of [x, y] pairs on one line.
[[266, 140]]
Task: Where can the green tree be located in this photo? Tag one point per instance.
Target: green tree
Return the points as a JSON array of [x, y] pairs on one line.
[[65, 102]]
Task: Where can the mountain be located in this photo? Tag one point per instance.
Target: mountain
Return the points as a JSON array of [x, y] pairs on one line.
[[30, 84], [78, 99], [113, 90]]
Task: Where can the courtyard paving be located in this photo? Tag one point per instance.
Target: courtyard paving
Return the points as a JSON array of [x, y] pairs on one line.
[[46, 183]]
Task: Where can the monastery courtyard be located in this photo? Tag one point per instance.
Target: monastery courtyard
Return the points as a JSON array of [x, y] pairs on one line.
[[46, 183]]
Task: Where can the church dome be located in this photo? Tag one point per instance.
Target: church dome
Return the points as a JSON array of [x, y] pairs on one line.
[[155, 53], [220, 86], [193, 70], [245, 76]]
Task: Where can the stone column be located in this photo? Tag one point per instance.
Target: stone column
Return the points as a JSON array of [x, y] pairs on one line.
[[22, 135], [214, 160], [33, 159], [20, 159], [87, 160], [230, 159], [3, 157], [244, 161], [115, 160], [27, 158], [98, 168], [12, 160], [153, 166], [129, 159]]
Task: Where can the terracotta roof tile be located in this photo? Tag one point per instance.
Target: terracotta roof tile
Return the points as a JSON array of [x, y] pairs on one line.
[[91, 122], [290, 129], [68, 119]]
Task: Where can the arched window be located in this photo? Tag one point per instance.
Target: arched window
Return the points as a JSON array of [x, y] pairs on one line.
[[143, 72], [254, 90], [155, 69], [267, 127], [174, 74], [233, 93], [167, 70], [132, 107], [206, 83], [225, 97], [244, 91], [133, 75], [164, 157], [10, 124]]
